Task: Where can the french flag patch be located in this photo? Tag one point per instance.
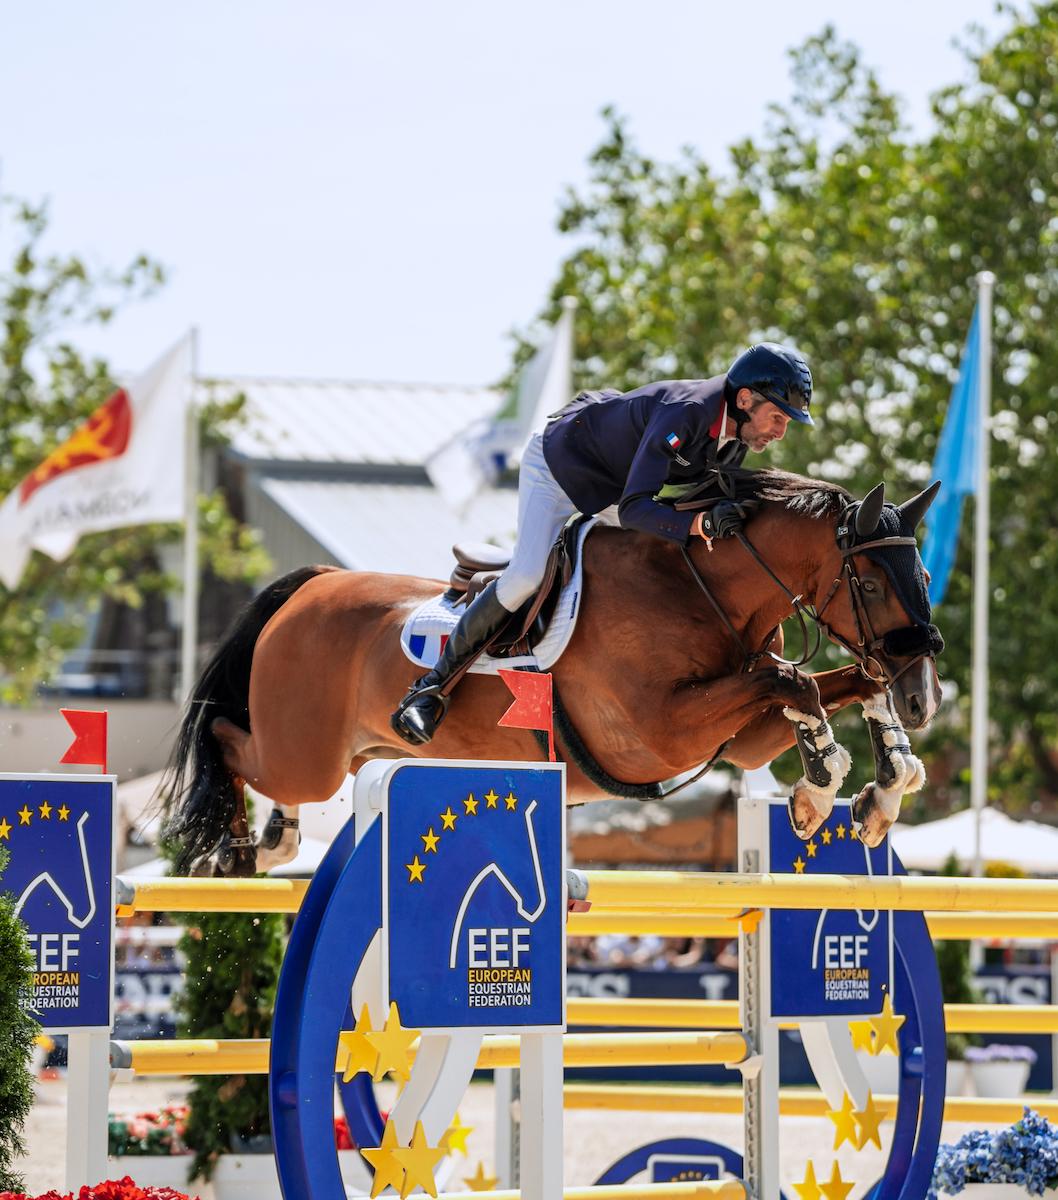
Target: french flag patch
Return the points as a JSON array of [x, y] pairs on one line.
[[673, 441]]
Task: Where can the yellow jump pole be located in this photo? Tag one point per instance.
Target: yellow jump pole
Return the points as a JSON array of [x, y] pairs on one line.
[[728, 1190], [693, 892], [250, 1056], [209, 895], [793, 1102]]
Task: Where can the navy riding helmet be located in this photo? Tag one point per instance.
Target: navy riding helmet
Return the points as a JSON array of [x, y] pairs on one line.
[[778, 373]]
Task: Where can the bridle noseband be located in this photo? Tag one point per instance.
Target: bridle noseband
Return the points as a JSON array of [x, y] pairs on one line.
[[917, 641]]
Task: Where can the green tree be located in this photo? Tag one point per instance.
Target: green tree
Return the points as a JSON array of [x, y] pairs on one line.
[[46, 390], [16, 1046], [839, 231], [232, 966]]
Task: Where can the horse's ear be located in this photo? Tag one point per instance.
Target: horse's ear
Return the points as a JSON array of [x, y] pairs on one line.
[[912, 511], [869, 512]]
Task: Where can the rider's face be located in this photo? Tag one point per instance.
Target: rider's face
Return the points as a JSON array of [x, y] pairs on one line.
[[766, 422]]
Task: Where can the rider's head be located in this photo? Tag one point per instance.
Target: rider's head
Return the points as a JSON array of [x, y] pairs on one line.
[[766, 387]]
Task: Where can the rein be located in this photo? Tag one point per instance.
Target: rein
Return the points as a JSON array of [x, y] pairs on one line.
[[864, 651]]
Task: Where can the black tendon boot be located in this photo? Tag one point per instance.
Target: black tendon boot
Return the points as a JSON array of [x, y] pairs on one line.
[[424, 707]]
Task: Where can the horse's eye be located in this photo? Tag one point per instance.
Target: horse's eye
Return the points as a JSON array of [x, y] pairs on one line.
[[869, 586]]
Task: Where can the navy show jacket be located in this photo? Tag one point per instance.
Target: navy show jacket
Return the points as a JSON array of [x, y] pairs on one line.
[[611, 448]]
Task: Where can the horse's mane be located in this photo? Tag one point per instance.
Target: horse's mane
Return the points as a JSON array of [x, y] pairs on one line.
[[807, 497]]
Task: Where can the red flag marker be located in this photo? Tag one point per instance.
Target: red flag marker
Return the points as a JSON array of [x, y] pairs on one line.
[[89, 746], [532, 704]]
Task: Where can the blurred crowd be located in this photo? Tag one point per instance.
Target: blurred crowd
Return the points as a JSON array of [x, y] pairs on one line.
[[650, 953]]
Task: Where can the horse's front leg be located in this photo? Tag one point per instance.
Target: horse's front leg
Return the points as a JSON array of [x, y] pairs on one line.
[[897, 772], [825, 763]]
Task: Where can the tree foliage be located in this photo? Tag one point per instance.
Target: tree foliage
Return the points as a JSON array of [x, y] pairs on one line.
[[46, 390], [839, 231]]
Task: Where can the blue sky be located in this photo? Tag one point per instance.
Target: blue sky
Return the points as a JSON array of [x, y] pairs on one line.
[[369, 191]]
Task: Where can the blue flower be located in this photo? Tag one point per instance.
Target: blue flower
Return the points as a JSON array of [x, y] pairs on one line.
[[1025, 1154]]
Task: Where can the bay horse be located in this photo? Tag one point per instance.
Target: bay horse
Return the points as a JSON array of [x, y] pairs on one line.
[[673, 663]]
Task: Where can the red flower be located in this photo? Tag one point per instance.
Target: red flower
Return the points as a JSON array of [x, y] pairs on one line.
[[113, 1189]]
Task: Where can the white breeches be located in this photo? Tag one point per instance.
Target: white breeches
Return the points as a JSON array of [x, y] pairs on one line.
[[543, 508]]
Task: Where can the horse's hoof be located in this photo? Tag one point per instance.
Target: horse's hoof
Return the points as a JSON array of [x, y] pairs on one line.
[[805, 818], [871, 820]]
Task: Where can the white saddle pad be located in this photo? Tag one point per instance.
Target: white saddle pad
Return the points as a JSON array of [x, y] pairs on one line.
[[426, 630]]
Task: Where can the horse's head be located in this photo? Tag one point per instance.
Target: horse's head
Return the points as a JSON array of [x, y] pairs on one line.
[[882, 613]]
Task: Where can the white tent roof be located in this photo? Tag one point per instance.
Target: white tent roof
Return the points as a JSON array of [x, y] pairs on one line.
[[1026, 844]]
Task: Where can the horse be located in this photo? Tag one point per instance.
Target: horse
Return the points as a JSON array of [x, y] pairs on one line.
[[675, 661]]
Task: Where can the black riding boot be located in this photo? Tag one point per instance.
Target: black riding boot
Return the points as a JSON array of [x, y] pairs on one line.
[[424, 707]]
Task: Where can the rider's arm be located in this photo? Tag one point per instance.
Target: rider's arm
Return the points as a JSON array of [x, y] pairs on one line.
[[686, 423]]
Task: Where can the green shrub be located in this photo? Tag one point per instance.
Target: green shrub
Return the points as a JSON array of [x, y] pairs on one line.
[[19, 1032]]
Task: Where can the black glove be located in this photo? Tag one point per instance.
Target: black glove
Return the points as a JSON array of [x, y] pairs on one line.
[[723, 519]]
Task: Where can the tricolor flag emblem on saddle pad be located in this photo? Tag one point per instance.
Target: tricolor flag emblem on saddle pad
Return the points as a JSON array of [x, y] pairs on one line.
[[427, 647], [673, 440]]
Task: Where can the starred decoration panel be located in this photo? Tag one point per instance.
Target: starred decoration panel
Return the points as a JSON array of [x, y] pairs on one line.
[[59, 833], [474, 895], [831, 962]]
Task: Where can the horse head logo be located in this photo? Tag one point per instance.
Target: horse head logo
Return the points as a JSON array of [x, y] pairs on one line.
[[73, 889]]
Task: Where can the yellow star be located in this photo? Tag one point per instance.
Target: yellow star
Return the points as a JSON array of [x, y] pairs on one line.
[[869, 1119], [448, 819], [511, 801], [415, 870], [885, 1027], [360, 1054], [5, 829], [808, 1188], [419, 1161], [456, 1135], [844, 1125], [840, 831], [471, 805], [835, 1188], [799, 865], [45, 811], [429, 840], [24, 815], [862, 1036], [854, 833], [64, 813], [480, 1182], [826, 835], [393, 1043], [388, 1171], [811, 847], [490, 799]]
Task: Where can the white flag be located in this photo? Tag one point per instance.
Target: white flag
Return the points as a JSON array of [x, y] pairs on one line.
[[474, 458], [124, 466]]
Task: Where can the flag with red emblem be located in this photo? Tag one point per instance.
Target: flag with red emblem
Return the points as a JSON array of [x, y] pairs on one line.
[[122, 466], [532, 708]]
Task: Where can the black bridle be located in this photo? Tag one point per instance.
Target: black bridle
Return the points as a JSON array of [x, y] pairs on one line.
[[914, 641]]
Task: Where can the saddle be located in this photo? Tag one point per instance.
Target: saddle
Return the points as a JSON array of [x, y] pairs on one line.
[[478, 564]]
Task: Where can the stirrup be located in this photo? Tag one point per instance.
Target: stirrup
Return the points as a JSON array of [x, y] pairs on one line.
[[416, 693]]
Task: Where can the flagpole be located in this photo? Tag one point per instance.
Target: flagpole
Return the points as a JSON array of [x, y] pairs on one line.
[[189, 629], [979, 691]]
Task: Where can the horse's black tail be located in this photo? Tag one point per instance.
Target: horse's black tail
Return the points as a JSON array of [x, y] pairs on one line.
[[198, 794]]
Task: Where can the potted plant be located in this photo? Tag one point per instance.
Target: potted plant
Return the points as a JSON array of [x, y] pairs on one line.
[[232, 963], [112, 1189], [1019, 1161], [999, 1069]]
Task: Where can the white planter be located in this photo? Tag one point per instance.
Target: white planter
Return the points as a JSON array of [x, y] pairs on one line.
[[1000, 1079], [988, 1191], [246, 1177], [957, 1076], [237, 1176], [152, 1170]]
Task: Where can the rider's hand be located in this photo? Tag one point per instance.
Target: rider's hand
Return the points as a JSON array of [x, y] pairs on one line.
[[722, 520]]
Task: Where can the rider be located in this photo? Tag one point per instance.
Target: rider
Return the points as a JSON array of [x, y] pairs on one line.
[[609, 448]]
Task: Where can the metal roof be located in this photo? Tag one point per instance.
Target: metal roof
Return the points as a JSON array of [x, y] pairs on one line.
[[331, 421], [405, 529]]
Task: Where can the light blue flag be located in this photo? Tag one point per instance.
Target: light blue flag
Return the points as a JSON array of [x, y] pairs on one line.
[[956, 465]]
